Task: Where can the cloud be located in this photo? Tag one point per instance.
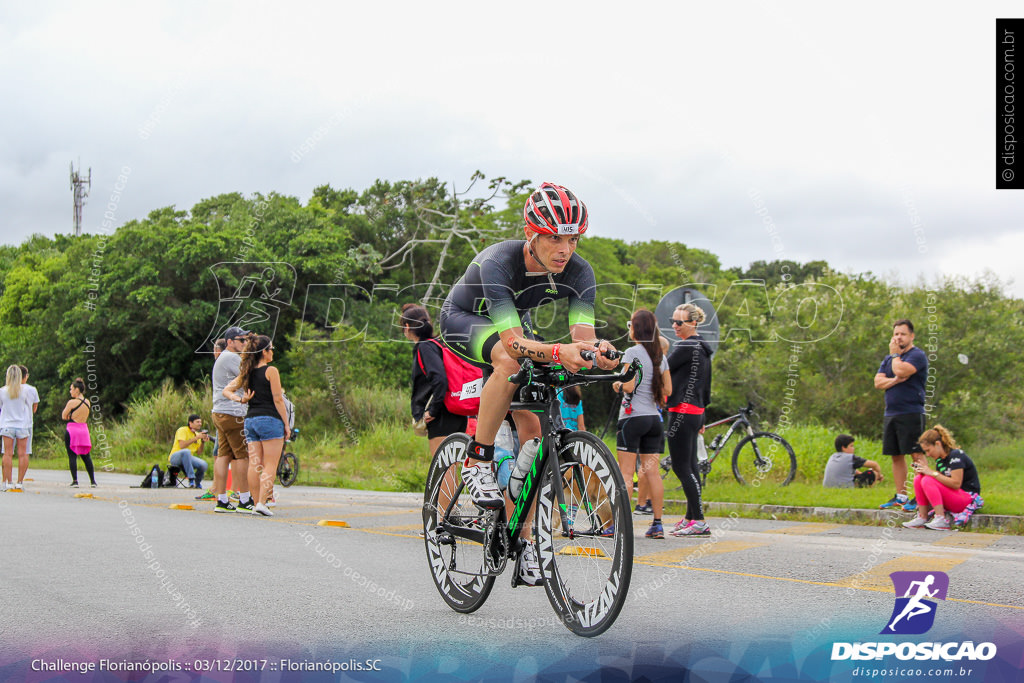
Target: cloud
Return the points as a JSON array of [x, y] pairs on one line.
[[663, 120]]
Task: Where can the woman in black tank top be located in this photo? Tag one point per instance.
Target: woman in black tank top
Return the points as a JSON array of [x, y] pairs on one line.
[[76, 432], [266, 422]]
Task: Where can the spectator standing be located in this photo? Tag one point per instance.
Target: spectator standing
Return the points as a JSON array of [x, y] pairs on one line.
[[32, 396], [16, 410], [902, 377], [229, 419], [76, 432], [186, 449], [429, 380], [690, 367], [266, 419], [640, 430], [841, 468], [950, 487]]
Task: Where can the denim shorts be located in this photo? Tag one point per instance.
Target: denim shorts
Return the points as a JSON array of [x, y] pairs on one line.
[[263, 428], [16, 432]]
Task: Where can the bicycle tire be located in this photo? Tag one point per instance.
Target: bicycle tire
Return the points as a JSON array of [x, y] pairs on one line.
[[456, 567], [758, 460], [288, 469], [584, 588]]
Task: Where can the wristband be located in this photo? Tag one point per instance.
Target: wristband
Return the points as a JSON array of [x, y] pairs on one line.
[[554, 353]]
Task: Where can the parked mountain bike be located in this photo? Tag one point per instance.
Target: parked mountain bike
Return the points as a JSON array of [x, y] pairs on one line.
[[759, 457], [583, 523], [288, 465]]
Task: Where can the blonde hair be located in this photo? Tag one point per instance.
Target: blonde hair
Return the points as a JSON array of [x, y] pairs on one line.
[[694, 311], [938, 433], [14, 381]]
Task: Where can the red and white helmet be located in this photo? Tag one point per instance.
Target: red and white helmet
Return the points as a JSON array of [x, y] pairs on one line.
[[555, 210]]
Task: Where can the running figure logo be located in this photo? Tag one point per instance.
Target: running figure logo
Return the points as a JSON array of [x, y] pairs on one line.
[[251, 295], [914, 612]]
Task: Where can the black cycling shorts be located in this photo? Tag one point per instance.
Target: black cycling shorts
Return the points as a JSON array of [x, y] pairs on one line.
[[471, 336], [446, 423], [641, 434], [900, 433]]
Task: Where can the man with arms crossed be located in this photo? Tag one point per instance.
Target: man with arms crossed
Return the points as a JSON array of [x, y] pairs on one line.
[[902, 376], [485, 320], [229, 418]]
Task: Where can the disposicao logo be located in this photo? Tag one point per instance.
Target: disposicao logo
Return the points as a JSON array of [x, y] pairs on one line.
[[914, 613], [917, 594]]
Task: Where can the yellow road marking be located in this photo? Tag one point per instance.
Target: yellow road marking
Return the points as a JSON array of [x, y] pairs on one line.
[[400, 527], [878, 576], [333, 522], [699, 549], [805, 528], [967, 540]]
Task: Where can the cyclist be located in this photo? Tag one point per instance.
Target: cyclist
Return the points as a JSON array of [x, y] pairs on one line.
[[485, 319]]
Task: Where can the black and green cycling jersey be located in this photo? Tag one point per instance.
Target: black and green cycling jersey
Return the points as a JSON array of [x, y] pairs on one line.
[[496, 294]]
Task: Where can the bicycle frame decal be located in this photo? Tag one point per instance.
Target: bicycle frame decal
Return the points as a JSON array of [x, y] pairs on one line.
[[524, 495]]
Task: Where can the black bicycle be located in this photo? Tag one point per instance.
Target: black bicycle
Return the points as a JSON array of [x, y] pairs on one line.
[[288, 465], [759, 457], [583, 524]]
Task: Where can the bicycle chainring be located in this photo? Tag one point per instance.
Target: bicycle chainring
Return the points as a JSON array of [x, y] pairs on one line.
[[496, 543]]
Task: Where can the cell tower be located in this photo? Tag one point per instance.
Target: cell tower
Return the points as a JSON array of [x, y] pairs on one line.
[[80, 186]]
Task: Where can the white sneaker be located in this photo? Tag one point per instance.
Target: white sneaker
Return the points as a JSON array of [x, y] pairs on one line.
[[271, 502], [482, 486], [938, 523], [261, 509], [528, 566], [916, 523], [16, 487]]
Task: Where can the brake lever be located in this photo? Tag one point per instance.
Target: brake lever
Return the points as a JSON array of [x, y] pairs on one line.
[[636, 369]]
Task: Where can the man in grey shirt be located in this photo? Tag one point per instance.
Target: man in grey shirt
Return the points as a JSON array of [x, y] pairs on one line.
[[229, 418]]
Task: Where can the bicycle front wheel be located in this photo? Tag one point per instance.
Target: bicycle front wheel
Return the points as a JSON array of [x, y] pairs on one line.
[[586, 556], [764, 458], [451, 522], [288, 469]]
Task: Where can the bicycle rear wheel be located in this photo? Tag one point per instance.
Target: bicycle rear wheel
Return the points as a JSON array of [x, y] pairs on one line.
[[764, 458], [288, 469], [586, 563], [456, 562]]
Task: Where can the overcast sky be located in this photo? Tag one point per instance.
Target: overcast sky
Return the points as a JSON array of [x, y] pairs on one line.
[[859, 134]]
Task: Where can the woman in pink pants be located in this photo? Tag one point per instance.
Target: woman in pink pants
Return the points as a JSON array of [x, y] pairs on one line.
[[947, 487]]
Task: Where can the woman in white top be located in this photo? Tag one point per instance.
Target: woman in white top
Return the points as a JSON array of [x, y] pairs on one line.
[[16, 412], [640, 431]]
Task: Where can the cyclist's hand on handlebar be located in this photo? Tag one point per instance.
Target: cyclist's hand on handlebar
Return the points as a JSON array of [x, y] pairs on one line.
[[570, 358], [603, 361]]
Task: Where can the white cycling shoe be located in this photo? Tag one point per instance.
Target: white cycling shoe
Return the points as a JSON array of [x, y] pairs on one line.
[[528, 566], [482, 486]]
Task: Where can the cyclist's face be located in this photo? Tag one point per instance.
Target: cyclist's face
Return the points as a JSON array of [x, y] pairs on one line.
[[554, 250]]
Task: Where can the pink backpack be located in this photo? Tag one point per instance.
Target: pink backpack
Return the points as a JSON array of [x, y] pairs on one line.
[[465, 382]]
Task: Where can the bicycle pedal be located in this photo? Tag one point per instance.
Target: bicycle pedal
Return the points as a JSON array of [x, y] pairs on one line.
[[445, 538]]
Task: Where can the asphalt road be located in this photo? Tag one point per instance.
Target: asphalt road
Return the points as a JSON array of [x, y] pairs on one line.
[[122, 577]]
